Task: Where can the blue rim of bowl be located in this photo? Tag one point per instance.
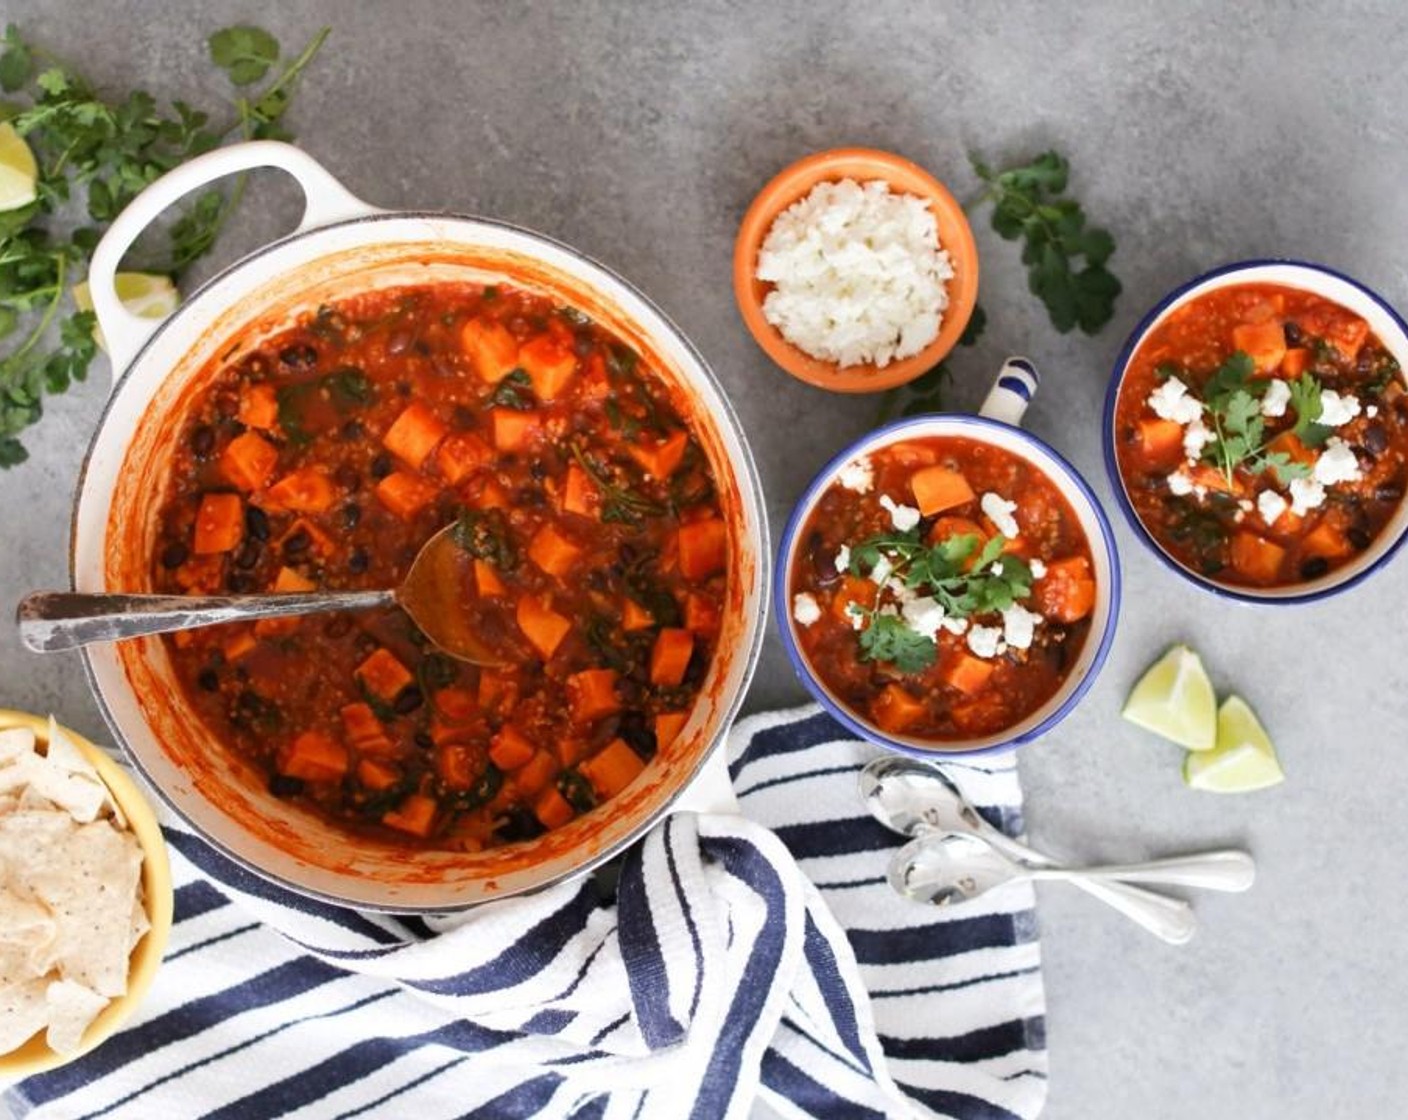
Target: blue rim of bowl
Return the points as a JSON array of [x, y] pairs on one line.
[[781, 604], [1112, 468]]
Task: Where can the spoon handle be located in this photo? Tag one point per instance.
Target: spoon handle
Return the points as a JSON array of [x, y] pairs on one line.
[[1215, 871], [57, 620]]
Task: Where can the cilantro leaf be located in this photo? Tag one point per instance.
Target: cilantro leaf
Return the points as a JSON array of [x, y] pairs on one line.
[[1305, 399], [16, 63], [245, 53], [887, 638]]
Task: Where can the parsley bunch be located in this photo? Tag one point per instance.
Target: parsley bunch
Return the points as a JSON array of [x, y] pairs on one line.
[[99, 154], [1233, 402]]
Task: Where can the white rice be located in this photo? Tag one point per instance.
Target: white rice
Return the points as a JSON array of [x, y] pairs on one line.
[[858, 274]]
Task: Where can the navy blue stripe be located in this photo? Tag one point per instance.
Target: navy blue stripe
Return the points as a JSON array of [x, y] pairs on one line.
[[196, 898], [275, 985], [1034, 1074], [534, 951], [788, 738], [245, 1044], [605, 1031], [549, 1021], [406, 1088], [827, 973], [646, 974], [808, 1094], [840, 1059], [942, 939], [581, 972], [975, 1046], [837, 837], [219, 937], [825, 771], [350, 1066], [683, 900], [527, 1099], [847, 884], [929, 989], [946, 1102], [594, 1109], [226, 871]]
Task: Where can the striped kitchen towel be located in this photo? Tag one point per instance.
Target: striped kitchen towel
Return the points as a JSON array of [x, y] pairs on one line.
[[745, 967]]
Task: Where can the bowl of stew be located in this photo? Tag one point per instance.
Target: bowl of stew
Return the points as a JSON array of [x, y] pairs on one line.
[[949, 584], [1256, 431], [306, 421]]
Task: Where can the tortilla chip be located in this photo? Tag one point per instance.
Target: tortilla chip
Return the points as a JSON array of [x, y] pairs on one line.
[[23, 1013], [140, 922], [15, 743], [23, 921], [71, 1009]]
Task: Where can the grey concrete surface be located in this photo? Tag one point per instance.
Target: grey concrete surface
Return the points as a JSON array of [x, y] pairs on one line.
[[1200, 133]]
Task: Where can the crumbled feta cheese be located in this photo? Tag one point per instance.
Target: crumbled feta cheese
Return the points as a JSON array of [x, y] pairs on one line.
[[903, 518], [805, 608], [843, 559], [1019, 626], [1337, 464], [902, 593], [923, 616], [1371, 411], [985, 641], [1306, 495], [1274, 401], [858, 475], [1170, 401], [1270, 505], [856, 613], [1179, 483], [1245, 505], [996, 567], [1038, 569], [999, 511], [957, 626], [1336, 409], [881, 572], [1196, 436]]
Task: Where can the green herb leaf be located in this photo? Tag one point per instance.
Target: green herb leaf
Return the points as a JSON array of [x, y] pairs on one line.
[[16, 63], [887, 638], [514, 391], [484, 534], [245, 53], [1305, 399]]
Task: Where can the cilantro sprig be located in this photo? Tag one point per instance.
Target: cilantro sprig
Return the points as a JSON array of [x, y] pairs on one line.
[[100, 152], [1233, 403], [887, 638]]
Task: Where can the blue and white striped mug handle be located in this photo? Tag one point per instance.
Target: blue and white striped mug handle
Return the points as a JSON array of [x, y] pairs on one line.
[[1013, 390]]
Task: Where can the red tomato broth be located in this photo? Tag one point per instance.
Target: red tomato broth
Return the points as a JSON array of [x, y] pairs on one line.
[[381, 402], [1292, 333], [953, 700]]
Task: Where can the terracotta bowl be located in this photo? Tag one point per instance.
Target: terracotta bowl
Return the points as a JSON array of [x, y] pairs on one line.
[[863, 165]]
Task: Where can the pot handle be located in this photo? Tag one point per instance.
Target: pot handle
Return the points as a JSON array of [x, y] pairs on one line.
[[325, 200], [1013, 390]]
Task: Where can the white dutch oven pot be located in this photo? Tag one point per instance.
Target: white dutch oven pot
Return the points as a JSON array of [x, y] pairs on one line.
[[343, 246]]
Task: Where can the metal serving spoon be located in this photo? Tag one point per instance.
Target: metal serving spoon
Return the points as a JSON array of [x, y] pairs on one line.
[[950, 867], [434, 594], [914, 798]]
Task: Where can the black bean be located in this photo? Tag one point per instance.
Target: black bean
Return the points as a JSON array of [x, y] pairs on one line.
[[403, 388], [410, 699], [423, 740], [249, 554], [358, 562], [227, 404], [637, 733], [241, 583], [299, 356], [537, 470], [297, 542], [1389, 493], [174, 555], [209, 680], [381, 466], [462, 417], [351, 431], [518, 824], [203, 440], [1376, 439], [256, 523], [1359, 538], [583, 344], [421, 347], [1314, 567], [399, 342], [281, 785], [1294, 335], [351, 515], [365, 643]]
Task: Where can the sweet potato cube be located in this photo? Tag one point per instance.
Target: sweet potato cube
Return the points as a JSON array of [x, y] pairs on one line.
[[855, 590], [541, 625], [289, 581], [259, 406], [1160, 442], [513, 429], [670, 657], [612, 768], [1348, 335], [511, 748], [276, 627], [377, 775], [455, 762], [1288, 443], [701, 614], [1264, 343], [237, 645], [1256, 558], [592, 694], [304, 491], [415, 434], [320, 544], [549, 364], [415, 815], [219, 523], [668, 726], [248, 460], [661, 460], [1296, 361], [552, 809], [314, 757], [895, 710], [497, 690], [405, 494], [966, 673], [460, 455], [1067, 591], [490, 347], [552, 552], [938, 488], [579, 493], [383, 676], [635, 617], [1327, 540], [535, 774], [487, 581], [453, 721], [703, 548], [364, 731]]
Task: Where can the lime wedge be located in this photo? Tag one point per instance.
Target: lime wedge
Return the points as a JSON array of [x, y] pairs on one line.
[[19, 174], [1243, 759], [1175, 699], [145, 294]]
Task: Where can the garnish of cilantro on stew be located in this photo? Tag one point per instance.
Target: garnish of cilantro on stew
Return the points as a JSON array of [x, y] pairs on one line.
[[942, 588], [1262, 435], [325, 457]]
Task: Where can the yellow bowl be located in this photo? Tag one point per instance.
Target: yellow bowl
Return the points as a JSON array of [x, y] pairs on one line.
[[35, 1056]]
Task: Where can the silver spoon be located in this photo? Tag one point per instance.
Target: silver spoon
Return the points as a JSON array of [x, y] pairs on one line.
[[913, 797], [949, 867], [435, 593]]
